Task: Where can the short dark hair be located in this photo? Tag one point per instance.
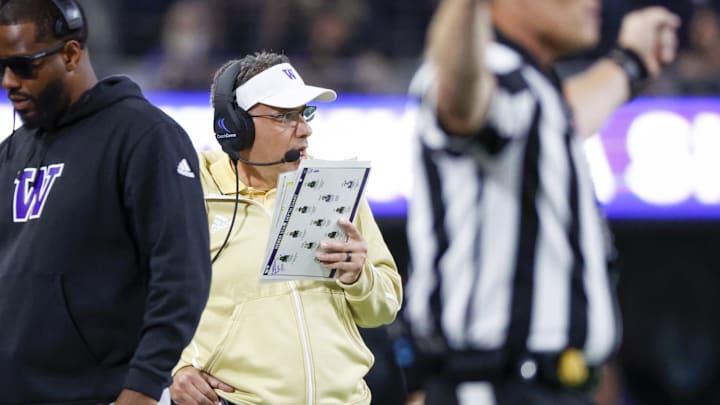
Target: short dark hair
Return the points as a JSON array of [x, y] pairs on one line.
[[44, 14], [250, 66]]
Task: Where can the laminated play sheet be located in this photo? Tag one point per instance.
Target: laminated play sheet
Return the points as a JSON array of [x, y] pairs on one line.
[[310, 200]]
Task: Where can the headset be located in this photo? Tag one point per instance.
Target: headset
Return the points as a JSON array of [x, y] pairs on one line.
[[234, 128], [71, 18]]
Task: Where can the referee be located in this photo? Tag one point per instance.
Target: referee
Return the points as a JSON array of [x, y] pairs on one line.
[[509, 298]]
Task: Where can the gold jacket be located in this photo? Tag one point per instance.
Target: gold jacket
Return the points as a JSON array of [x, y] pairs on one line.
[[293, 342]]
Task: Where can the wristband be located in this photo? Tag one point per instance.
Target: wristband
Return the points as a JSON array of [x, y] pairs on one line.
[[632, 64]]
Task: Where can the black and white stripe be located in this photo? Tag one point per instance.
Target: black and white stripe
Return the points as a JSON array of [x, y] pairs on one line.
[[506, 241]]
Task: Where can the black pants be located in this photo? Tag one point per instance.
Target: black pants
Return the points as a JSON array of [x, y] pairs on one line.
[[506, 392]]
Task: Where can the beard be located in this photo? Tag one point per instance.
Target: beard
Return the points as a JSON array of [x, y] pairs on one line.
[[49, 106]]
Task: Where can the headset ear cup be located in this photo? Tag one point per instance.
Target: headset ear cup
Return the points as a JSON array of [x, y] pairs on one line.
[[59, 28], [246, 129], [234, 127]]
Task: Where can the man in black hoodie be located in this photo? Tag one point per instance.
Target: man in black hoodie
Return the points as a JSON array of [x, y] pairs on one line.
[[104, 264]]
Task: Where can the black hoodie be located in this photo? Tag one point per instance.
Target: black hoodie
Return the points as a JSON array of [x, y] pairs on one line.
[[104, 263]]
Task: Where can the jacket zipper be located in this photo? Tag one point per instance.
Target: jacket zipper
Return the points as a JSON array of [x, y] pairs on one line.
[[305, 344], [298, 310]]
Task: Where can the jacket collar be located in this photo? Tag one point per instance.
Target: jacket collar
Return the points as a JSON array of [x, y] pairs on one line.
[[224, 177]]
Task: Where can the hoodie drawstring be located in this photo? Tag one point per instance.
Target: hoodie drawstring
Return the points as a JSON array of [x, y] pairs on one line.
[[32, 154], [10, 139]]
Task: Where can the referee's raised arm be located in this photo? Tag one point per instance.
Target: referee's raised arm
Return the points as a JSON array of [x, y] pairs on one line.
[[647, 43], [464, 83]]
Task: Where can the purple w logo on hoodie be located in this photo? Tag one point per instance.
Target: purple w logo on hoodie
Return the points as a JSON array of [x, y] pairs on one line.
[[31, 193]]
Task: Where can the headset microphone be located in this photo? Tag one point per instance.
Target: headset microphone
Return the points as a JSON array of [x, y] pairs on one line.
[[290, 156]]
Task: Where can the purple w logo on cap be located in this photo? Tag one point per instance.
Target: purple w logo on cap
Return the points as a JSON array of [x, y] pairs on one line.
[[290, 73]]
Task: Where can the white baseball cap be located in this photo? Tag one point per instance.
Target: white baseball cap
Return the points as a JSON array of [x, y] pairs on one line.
[[280, 86]]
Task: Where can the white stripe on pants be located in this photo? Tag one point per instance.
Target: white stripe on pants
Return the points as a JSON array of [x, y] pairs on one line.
[[164, 400], [475, 393]]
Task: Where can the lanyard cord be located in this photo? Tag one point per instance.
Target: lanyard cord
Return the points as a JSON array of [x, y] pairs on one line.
[[232, 222]]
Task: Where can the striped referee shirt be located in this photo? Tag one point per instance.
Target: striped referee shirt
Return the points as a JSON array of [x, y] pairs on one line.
[[506, 241]]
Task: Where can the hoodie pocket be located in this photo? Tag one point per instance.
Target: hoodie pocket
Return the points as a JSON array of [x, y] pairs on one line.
[[39, 334]]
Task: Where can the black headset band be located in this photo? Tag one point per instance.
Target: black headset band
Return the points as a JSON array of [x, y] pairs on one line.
[[71, 17], [225, 85]]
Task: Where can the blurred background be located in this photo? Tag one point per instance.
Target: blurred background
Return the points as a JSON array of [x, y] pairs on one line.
[[668, 262], [358, 46], [657, 163]]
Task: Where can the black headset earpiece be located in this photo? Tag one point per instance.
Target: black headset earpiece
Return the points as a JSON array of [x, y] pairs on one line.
[[234, 128], [71, 18]]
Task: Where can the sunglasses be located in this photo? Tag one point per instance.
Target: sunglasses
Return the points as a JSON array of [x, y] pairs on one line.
[[24, 66]]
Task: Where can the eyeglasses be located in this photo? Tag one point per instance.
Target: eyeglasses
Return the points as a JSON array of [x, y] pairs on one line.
[[23, 66], [292, 117]]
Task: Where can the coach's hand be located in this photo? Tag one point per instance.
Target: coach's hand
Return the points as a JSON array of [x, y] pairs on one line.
[[195, 387], [347, 257]]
